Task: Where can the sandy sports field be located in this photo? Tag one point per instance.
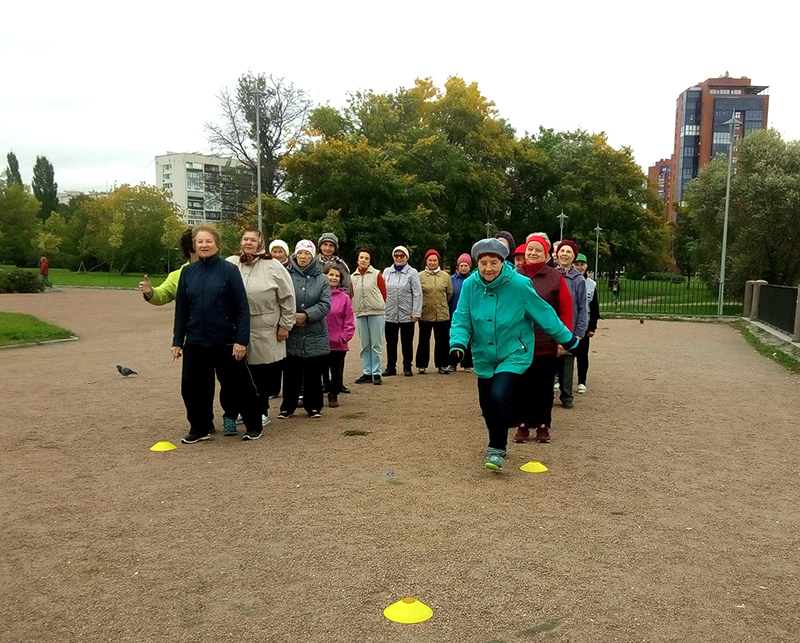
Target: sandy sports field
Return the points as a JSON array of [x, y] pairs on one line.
[[670, 511]]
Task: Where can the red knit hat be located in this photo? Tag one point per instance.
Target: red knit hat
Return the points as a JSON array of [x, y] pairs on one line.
[[465, 258], [519, 251], [432, 252], [542, 240], [569, 242]]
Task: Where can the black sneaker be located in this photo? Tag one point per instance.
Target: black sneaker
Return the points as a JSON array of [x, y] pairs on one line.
[[252, 435], [314, 414], [344, 389], [389, 372], [190, 438], [444, 371], [364, 379], [284, 415], [407, 372], [376, 380]]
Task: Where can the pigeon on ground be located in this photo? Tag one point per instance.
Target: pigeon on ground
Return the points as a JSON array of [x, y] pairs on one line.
[[641, 321], [125, 371]]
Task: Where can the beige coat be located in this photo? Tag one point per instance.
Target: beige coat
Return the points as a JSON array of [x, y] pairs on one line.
[[437, 290], [270, 295]]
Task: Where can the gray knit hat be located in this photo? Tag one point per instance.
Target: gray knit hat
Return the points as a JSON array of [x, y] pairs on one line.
[[329, 236], [489, 247]]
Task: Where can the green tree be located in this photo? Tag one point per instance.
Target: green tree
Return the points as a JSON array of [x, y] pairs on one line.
[[282, 112], [763, 230], [13, 177], [132, 228], [18, 210], [45, 188]]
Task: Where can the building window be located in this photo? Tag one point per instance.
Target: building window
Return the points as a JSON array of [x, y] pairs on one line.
[[690, 130], [213, 215], [167, 186], [195, 203], [194, 180], [721, 138], [167, 167], [167, 177]]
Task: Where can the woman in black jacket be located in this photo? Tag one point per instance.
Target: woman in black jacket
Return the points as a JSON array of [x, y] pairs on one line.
[[211, 332]]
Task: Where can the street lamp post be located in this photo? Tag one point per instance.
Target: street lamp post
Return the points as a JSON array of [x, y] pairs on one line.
[[561, 217], [733, 123], [598, 230], [257, 94]]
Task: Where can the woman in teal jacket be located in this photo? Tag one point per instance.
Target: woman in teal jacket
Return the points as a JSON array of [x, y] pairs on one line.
[[496, 313]]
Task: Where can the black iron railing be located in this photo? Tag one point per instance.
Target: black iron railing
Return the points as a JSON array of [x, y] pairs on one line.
[[777, 306], [687, 297]]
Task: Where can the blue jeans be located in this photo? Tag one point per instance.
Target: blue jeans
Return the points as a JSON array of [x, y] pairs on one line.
[[496, 395], [370, 332]]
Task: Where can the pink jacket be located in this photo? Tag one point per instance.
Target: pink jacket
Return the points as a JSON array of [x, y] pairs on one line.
[[341, 321]]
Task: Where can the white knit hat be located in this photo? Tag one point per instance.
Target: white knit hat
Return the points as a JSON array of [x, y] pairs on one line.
[[402, 249], [305, 244], [279, 243]]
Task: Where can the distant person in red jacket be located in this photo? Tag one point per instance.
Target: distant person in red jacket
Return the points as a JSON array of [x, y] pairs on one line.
[[44, 270]]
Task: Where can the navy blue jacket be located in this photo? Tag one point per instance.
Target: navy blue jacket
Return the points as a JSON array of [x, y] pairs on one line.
[[211, 305]]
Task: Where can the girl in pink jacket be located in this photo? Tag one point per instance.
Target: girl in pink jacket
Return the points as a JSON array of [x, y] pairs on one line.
[[341, 328]]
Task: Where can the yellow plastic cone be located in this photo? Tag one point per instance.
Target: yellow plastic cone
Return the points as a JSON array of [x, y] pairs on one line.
[[408, 610], [163, 446], [533, 467]]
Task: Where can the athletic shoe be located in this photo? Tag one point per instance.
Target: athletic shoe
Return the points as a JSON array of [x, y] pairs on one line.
[[556, 387], [299, 400], [494, 462], [389, 372], [567, 405], [344, 389], [284, 415], [468, 369], [190, 438], [314, 414], [421, 371], [239, 419], [265, 419], [333, 400], [252, 435], [542, 433], [365, 379], [407, 372], [444, 371], [376, 380], [522, 434], [581, 388], [229, 426]]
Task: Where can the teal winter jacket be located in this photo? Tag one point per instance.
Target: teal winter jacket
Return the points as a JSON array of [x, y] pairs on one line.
[[497, 318]]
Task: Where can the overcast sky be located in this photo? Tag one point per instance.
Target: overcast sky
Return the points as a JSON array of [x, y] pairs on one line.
[[101, 88]]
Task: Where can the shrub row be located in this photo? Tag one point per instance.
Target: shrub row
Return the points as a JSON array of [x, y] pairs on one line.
[[18, 280]]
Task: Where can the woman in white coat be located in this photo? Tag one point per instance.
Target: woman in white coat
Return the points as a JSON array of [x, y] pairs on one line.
[[270, 295]]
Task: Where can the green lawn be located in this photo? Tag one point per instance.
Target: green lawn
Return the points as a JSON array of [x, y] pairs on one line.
[[16, 328], [692, 298], [64, 277]]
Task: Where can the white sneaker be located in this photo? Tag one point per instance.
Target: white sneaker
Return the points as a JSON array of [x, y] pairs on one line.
[[265, 419], [421, 371], [468, 369], [556, 387], [581, 388]]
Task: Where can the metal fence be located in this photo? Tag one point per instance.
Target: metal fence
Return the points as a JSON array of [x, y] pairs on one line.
[[778, 306], [689, 297]]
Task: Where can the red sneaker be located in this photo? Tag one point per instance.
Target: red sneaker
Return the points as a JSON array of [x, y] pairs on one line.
[[522, 433], [543, 433]]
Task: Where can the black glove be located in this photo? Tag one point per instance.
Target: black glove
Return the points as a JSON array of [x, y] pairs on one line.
[[456, 355]]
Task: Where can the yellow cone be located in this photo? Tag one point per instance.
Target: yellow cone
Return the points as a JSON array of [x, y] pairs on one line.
[[408, 610], [533, 467], [163, 446]]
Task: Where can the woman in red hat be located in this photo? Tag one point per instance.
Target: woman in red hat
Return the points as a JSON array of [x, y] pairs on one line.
[[437, 290]]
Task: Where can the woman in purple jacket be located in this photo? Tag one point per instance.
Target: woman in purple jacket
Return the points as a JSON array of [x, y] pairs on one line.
[[341, 328]]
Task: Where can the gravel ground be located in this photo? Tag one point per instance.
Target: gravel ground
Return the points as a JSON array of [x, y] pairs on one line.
[[669, 512]]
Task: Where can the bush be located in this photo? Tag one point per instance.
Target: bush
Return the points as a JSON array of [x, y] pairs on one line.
[[672, 277], [18, 280]]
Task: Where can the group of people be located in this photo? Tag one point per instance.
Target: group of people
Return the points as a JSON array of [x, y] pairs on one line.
[[263, 315]]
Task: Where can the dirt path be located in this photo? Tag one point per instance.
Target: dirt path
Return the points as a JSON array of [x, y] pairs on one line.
[[670, 511]]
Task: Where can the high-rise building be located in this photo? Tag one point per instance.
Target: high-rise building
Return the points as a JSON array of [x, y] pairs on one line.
[[196, 183], [699, 130], [660, 177]]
